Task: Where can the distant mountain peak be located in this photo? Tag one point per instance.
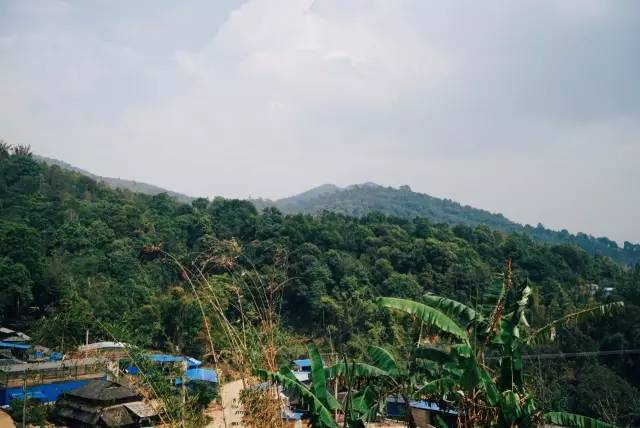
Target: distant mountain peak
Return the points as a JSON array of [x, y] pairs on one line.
[[365, 185], [364, 198], [117, 183]]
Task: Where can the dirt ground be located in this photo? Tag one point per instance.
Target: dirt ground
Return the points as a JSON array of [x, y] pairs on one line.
[[229, 415], [5, 420]]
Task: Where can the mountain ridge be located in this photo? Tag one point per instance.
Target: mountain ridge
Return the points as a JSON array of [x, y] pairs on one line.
[[118, 183], [365, 198]]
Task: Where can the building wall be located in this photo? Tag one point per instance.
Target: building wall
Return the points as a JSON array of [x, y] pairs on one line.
[[421, 417]]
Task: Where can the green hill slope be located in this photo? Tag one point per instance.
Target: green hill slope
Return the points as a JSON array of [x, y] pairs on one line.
[[76, 255], [117, 183], [359, 200]]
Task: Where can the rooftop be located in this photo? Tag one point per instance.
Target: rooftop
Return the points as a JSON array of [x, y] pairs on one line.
[[302, 363], [104, 390], [48, 365], [102, 345]]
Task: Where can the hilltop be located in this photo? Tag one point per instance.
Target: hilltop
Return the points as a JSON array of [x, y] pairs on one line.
[[117, 183], [361, 199]]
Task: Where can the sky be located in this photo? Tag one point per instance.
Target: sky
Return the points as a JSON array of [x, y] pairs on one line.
[[528, 108]]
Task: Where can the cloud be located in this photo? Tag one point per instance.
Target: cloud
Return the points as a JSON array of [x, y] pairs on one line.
[[528, 108]]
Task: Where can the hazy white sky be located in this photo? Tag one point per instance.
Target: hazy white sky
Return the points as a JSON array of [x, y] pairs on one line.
[[529, 108]]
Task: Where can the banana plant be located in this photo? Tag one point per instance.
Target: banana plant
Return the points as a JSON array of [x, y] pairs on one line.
[[469, 336], [374, 382], [317, 398], [361, 402]]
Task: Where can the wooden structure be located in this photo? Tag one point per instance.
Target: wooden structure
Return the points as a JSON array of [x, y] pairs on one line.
[[102, 403], [45, 381]]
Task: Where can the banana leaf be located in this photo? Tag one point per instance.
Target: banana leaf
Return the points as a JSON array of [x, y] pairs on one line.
[[429, 315], [571, 420], [317, 407], [383, 360], [451, 307]]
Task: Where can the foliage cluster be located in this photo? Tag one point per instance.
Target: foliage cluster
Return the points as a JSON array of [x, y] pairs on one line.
[[76, 255]]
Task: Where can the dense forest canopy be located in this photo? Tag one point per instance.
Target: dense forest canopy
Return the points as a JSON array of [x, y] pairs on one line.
[[77, 255], [362, 199]]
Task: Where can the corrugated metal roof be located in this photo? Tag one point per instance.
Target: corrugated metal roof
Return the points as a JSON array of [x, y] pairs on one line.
[[301, 376], [207, 375], [18, 337], [102, 345], [302, 363], [14, 345], [50, 365]]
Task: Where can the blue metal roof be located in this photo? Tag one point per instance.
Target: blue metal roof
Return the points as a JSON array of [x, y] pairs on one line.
[[55, 356], [302, 363], [14, 345], [165, 358], [427, 405], [206, 375], [292, 416], [36, 395], [422, 405], [192, 362]]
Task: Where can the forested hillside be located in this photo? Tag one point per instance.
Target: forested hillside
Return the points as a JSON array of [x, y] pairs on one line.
[[118, 183], [77, 255], [359, 200]]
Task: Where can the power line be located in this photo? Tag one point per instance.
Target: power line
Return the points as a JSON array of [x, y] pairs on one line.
[[577, 354]]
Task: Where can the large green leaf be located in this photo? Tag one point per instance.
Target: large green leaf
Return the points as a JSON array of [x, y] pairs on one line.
[[434, 354], [440, 423], [383, 360], [437, 387], [574, 421], [510, 407], [548, 331], [355, 369], [451, 308], [475, 376], [430, 316], [317, 407], [318, 379], [364, 404]]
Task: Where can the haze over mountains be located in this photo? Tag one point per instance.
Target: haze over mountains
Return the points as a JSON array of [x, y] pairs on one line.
[[117, 183], [365, 198]]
